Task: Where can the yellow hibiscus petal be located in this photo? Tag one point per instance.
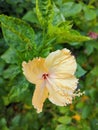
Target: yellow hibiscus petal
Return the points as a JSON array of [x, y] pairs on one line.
[[55, 97], [59, 93], [40, 95], [60, 100], [34, 69], [70, 83], [61, 62]]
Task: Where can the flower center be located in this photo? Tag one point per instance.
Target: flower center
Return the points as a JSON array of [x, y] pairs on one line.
[[44, 76]]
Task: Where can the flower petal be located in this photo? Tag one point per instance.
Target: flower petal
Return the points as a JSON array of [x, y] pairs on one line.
[[61, 62], [69, 82], [40, 95], [55, 97], [34, 69], [61, 91]]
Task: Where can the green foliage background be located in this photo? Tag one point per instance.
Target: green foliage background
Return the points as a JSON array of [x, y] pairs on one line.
[[30, 29]]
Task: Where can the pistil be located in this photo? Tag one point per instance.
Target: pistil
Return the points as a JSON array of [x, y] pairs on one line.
[[44, 76]]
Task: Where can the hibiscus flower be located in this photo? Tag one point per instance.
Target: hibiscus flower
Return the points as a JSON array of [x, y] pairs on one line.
[[54, 78]]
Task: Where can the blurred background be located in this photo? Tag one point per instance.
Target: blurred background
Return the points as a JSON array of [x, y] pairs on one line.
[[16, 111]]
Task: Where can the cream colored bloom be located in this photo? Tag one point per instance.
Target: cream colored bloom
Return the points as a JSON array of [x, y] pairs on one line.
[[54, 78]]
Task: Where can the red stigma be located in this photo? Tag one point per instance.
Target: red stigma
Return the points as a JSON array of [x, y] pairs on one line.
[[45, 76]]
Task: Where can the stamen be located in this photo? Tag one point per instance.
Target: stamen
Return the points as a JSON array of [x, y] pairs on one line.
[[44, 76]]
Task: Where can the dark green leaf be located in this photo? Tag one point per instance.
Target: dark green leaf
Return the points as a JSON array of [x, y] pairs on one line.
[[80, 71], [30, 16], [18, 91], [10, 56], [11, 72], [86, 111]]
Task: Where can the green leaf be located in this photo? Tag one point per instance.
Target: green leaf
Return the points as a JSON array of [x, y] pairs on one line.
[[2, 65], [16, 120], [64, 34], [72, 128], [93, 94], [2, 82], [61, 127], [3, 124], [89, 13], [3, 45], [44, 11], [16, 31], [18, 91], [79, 105], [58, 17], [94, 122], [63, 110], [85, 127], [64, 119], [11, 72], [86, 111], [94, 71], [70, 8], [81, 59], [80, 71], [30, 16], [33, 1], [89, 48], [10, 56]]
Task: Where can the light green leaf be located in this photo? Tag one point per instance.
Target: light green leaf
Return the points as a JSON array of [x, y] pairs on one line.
[[58, 17], [64, 119], [61, 127], [85, 127], [70, 8], [89, 13], [44, 11], [63, 110], [64, 34], [72, 128]]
